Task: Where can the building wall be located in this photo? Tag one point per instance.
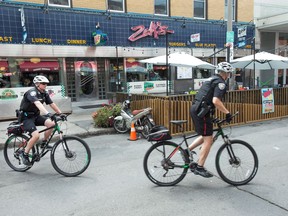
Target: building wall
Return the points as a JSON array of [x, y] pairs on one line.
[[140, 6], [216, 9], [178, 8], [181, 8], [245, 10], [99, 4]]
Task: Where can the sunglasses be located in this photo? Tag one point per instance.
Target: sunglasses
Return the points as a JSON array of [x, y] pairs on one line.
[[42, 83]]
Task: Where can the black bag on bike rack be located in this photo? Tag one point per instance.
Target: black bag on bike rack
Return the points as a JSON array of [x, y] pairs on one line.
[[15, 128], [159, 133]]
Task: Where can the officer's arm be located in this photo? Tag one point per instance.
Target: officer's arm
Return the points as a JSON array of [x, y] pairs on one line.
[[40, 106], [55, 108], [219, 105]]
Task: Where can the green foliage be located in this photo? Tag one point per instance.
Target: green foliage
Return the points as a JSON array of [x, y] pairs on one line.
[[104, 116]]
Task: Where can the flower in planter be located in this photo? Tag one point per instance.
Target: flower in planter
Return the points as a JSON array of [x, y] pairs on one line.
[[104, 117]]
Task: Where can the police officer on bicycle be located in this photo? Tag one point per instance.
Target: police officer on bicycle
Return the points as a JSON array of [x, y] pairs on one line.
[[207, 99], [30, 109]]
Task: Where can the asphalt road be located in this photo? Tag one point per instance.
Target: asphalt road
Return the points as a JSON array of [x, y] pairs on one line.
[[115, 183]]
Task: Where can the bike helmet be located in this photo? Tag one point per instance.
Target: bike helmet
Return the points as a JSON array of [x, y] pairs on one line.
[[126, 104], [39, 79], [225, 67]]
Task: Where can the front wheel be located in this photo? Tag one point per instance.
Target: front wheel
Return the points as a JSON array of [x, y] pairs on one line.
[[12, 148], [165, 163], [120, 126], [236, 163], [70, 156]]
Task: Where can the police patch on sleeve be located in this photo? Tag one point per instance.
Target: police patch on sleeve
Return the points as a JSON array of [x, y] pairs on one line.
[[221, 86], [33, 93]]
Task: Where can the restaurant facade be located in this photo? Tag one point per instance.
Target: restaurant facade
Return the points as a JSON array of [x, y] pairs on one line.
[[90, 54]]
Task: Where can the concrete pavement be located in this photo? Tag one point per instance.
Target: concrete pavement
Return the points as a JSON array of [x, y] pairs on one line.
[[80, 122]]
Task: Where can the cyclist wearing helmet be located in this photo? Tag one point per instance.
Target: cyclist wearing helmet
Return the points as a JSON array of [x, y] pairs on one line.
[[207, 99], [31, 107]]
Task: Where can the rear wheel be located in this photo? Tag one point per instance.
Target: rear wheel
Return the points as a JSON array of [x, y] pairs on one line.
[[12, 148], [147, 126], [236, 163], [165, 163], [120, 126], [70, 156]]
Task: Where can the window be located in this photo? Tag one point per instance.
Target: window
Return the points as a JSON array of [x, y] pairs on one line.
[[116, 5], [59, 3], [233, 9], [200, 9], [161, 7]]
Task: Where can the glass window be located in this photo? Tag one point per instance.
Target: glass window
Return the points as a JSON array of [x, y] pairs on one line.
[[59, 3], [161, 7], [116, 5], [200, 9], [20, 72], [233, 9]]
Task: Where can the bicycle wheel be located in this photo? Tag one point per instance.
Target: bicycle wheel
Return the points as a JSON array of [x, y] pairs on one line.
[[70, 156], [120, 126], [12, 147], [236, 164], [165, 163], [147, 126]]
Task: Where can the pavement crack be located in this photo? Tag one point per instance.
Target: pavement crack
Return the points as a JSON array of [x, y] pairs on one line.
[[262, 198]]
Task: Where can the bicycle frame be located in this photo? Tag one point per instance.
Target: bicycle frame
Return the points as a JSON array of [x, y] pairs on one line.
[[219, 132], [56, 128]]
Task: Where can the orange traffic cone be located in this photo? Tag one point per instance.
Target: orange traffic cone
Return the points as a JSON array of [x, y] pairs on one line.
[[133, 134]]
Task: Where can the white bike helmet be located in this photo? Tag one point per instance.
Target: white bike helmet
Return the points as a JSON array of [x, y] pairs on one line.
[[225, 67], [39, 79]]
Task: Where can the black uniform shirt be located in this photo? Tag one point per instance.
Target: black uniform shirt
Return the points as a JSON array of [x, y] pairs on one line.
[[32, 95], [207, 91]]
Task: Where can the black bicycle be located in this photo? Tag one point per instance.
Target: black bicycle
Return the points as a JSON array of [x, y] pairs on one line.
[[166, 163], [70, 155]]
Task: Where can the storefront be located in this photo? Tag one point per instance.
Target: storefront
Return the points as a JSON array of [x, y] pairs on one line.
[[16, 77], [81, 67]]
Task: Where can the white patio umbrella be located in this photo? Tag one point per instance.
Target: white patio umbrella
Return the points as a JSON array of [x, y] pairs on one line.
[[262, 60], [179, 59]]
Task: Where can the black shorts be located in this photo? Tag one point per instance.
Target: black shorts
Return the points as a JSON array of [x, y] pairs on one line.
[[203, 126], [30, 124]]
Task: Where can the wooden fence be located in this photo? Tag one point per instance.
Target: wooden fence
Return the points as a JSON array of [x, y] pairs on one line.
[[177, 107]]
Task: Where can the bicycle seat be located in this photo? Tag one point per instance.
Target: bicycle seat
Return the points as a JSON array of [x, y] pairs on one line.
[[178, 122]]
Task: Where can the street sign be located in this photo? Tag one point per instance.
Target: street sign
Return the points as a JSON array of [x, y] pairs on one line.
[[230, 37]]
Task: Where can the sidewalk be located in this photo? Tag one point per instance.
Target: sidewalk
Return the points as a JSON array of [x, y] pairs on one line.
[[80, 122]]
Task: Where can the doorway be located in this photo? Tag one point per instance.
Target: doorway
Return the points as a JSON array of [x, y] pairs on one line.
[[86, 80]]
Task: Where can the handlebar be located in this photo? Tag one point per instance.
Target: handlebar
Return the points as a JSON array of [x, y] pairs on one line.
[[221, 121], [59, 117]]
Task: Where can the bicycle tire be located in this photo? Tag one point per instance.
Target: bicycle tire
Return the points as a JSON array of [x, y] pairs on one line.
[[238, 172], [120, 126], [157, 166], [70, 156], [13, 145]]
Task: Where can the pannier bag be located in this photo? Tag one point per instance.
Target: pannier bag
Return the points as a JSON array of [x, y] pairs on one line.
[[15, 128], [159, 133]]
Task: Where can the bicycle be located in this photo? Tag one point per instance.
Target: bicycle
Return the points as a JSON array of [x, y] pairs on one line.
[[166, 163], [70, 155]]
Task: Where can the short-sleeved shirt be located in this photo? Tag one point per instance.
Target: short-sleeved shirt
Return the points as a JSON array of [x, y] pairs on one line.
[[31, 96], [220, 88]]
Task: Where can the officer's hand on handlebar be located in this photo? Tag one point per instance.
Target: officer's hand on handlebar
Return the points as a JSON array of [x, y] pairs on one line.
[[63, 116], [229, 117], [48, 115]]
